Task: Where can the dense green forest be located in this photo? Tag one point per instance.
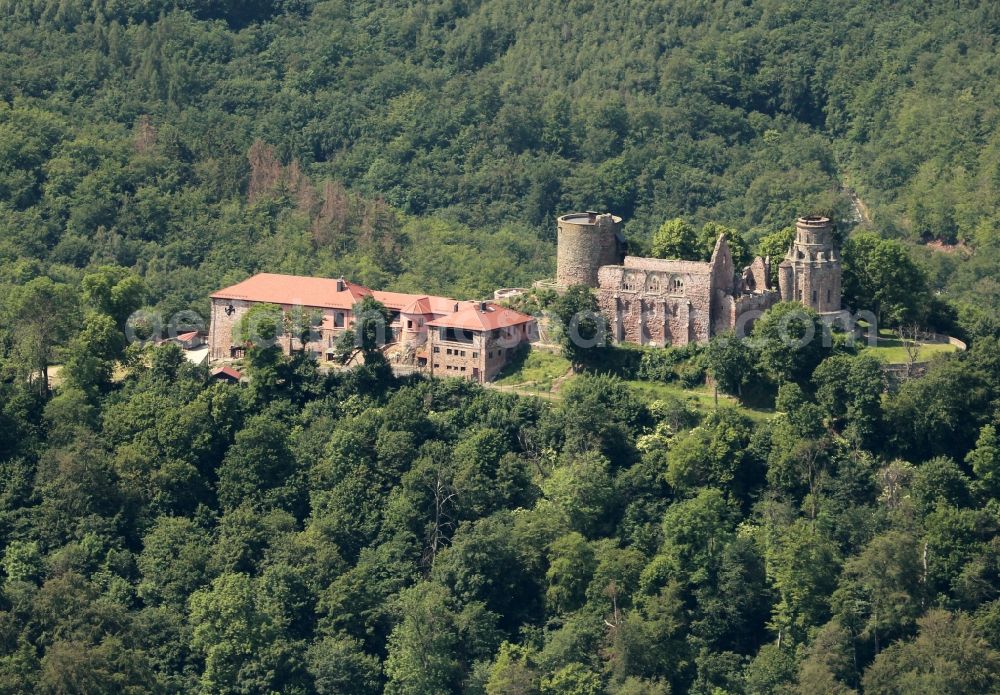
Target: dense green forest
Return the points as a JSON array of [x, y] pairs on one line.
[[352, 533], [356, 533], [425, 145]]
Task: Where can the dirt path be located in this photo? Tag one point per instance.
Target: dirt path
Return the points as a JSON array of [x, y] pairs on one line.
[[558, 382], [862, 214], [523, 390]]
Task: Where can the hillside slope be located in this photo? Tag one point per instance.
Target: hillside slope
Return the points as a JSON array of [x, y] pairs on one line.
[[489, 112]]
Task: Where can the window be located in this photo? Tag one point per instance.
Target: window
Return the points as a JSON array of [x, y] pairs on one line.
[[449, 351], [677, 285], [475, 355], [798, 294], [455, 335], [463, 369], [462, 353], [338, 319], [828, 297], [654, 284], [437, 366], [490, 354], [437, 349], [814, 297], [409, 323]]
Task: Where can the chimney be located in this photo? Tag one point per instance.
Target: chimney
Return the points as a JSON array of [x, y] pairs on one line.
[[483, 306], [456, 307], [340, 285], [591, 216]]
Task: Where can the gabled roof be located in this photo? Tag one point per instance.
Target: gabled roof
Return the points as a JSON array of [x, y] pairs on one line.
[[295, 290], [184, 337], [481, 316], [395, 300], [420, 305], [416, 303], [227, 371]]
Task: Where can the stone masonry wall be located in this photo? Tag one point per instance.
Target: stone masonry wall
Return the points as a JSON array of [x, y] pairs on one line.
[[811, 271], [652, 301], [747, 308], [655, 302], [481, 359], [758, 279], [222, 327], [584, 247]]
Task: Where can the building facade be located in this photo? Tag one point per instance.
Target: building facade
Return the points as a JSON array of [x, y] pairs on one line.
[[653, 301], [478, 341], [328, 304]]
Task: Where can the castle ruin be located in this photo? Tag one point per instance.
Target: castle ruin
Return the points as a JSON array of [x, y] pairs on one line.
[[654, 301]]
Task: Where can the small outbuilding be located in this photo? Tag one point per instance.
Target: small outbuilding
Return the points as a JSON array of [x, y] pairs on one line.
[[190, 341], [228, 374]]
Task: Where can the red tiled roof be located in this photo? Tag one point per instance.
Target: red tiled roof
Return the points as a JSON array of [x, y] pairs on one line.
[[298, 290], [415, 303], [295, 290], [426, 305], [421, 305], [443, 305], [226, 370], [476, 316], [394, 300], [184, 337]]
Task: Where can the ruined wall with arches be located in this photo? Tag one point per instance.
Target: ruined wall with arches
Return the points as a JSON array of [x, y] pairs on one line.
[[653, 301]]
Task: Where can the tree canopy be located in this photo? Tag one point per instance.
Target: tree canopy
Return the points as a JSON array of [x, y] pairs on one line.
[[350, 531]]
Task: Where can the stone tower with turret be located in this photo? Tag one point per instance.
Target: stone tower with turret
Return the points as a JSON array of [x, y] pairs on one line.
[[587, 241], [811, 272]]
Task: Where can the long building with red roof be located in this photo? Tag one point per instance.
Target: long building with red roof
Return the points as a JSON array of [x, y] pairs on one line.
[[444, 336]]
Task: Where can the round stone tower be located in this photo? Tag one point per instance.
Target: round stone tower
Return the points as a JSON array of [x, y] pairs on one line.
[[587, 241], [811, 272]]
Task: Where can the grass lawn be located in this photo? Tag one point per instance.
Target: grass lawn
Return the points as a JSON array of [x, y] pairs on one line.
[[534, 371], [702, 398], [892, 349]]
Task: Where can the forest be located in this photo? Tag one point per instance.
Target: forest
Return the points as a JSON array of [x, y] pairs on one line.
[[351, 532], [424, 145], [354, 532]]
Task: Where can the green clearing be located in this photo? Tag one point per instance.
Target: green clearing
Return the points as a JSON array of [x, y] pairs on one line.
[[892, 348], [534, 373], [535, 370], [701, 398]]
